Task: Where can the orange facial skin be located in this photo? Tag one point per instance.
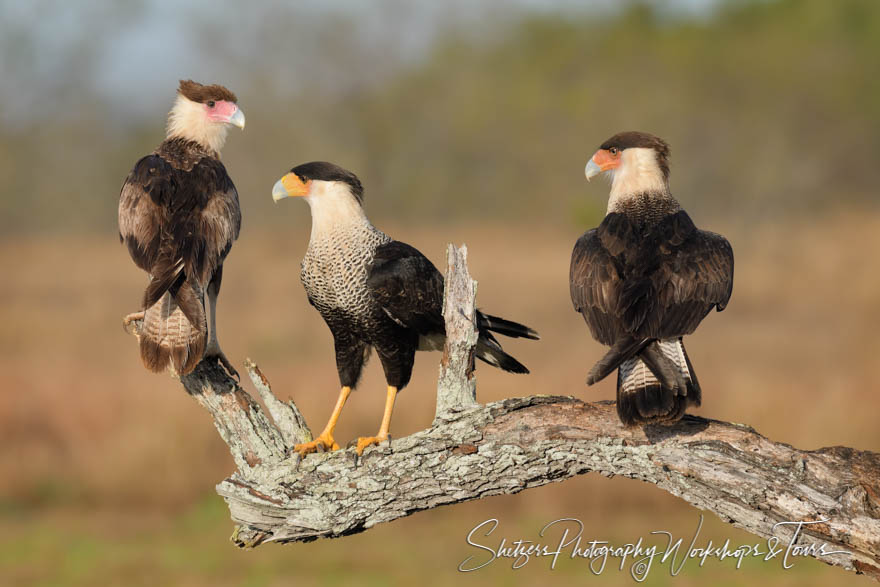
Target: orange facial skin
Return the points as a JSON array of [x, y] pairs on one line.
[[607, 159], [294, 185], [290, 186]]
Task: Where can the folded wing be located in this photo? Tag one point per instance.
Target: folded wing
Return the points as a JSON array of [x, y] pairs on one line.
[[178, 225]]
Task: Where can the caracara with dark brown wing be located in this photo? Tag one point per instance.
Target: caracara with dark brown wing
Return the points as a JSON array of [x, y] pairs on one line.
[[178, 216], [645, 278], [374, 292]]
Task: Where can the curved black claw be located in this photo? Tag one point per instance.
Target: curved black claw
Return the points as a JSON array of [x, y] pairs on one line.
[[296, 459], [356, 457]]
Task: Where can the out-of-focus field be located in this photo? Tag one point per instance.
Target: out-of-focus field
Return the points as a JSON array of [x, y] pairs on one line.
[[108, 471]]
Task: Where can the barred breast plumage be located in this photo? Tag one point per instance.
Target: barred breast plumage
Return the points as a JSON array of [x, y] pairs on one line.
[[334, 269]]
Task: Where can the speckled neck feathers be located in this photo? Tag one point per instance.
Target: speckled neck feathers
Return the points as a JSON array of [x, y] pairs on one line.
[[182, 153], [646, 208]]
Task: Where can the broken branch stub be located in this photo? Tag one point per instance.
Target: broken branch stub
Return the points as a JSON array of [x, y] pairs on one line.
[[457, 383]]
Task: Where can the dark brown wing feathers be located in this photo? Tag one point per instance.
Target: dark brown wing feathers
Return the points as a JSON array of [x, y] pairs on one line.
[[408, 287], [596, 279], [176, 213], [178, 216], [656, 283], [624, 348]]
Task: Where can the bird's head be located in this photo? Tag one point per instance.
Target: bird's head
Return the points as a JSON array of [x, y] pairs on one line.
[[319, 182], [204, 114], [637, 162]]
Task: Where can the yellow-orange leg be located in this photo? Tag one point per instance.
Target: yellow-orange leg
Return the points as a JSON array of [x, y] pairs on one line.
[[366, 441], [325, 439]]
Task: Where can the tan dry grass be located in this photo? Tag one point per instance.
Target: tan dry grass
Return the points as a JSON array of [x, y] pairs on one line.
[[794, 355]]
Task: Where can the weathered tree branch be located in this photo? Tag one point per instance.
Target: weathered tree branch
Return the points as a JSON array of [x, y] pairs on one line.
[[457, 383], [474, 451]]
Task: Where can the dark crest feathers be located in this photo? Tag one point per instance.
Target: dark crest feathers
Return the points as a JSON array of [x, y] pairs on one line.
[[324, 171], [201, 93]]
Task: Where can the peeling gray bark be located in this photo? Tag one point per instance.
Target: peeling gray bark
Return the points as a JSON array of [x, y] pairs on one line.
[[474, 451], [251, 436], [457, 382], [515, 444]]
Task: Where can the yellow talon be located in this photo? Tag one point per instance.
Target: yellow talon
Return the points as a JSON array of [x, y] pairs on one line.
[[365, 441], [325, 440]]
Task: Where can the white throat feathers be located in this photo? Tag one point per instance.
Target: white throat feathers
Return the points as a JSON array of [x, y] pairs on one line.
[[187, 120], [334, 208], [638, 174]]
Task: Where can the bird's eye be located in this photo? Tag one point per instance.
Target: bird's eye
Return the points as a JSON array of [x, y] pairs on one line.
[[210, 103], [613, 150]]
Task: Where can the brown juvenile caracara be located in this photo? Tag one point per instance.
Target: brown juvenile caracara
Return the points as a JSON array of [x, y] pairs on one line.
[[178, 216], [374, 292], [645, 278]]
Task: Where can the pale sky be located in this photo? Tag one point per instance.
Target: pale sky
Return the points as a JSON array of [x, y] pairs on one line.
[[126, 53]]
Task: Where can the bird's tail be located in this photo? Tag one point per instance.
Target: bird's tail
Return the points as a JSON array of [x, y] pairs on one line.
[[625, 348], [505, 327], [491, 352], [657, 385], [489, 349], [174, 330]]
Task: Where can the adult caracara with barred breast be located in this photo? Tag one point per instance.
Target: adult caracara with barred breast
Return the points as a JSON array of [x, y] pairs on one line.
[[374, 292], [178, 216], [645, 278]]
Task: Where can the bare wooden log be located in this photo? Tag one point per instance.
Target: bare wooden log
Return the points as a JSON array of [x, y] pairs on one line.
[[457, 382], [252, 438], [474, 451]]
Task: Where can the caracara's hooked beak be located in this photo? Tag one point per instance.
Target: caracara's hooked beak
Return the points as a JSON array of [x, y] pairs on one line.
[[289, 186], [602, 160], [237, 118], [225, 112]]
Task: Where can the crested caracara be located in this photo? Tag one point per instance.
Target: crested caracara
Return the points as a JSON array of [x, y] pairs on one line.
[[178, 216], [645, 278], [373, 291]]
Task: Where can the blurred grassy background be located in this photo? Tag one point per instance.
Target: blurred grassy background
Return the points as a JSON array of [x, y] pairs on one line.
[[467, 123]]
